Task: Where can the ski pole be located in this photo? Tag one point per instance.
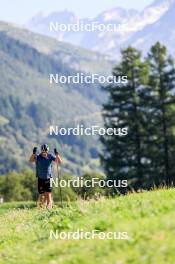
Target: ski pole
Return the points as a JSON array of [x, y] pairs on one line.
[[36, 185], [59, 174]]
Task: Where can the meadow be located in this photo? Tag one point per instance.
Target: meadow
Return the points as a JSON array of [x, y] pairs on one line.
[[147, 217]]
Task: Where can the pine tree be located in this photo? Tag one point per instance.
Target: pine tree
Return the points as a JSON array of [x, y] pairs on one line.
[[125, 156], [162, 121]]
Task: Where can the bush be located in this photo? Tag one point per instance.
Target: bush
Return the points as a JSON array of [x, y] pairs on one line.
[[90, 192]]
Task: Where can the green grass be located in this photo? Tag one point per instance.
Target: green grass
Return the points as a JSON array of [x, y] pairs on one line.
[[148, 218]]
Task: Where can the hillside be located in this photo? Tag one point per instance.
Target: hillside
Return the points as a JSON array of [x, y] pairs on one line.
[[29, 105], [148, 219], [75, 57]]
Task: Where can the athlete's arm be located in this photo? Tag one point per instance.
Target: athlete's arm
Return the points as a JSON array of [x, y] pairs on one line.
[[57, 156], [32, 158]]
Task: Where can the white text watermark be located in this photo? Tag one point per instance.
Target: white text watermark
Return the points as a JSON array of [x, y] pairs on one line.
[[91, 183], [82, 78], [81, 130], [88, 235], [93, 26]]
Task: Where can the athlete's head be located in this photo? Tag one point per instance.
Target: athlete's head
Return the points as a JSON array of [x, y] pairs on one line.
[[44, 149]]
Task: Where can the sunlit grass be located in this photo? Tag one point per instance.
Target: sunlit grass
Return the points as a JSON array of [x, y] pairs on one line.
[[148, 219]]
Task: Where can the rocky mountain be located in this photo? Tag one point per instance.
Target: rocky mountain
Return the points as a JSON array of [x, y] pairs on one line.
[[131, 26], [162, 30], [95, 40]]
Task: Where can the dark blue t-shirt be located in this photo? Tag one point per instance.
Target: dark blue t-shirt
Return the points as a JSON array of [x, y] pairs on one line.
[[44, 166]]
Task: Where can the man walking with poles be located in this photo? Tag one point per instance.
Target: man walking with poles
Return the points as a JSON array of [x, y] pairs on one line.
[[44, 172]]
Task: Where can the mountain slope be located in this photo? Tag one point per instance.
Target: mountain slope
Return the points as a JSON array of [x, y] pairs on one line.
[[75, 57], [29, 105]]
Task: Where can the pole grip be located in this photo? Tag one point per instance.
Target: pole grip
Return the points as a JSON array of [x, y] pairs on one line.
[[55, 151], [34, 150]]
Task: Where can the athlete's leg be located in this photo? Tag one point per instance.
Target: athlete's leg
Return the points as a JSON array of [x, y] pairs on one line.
[[49, 200]]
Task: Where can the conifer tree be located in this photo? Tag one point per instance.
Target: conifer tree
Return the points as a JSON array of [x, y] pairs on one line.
[[162, 121], [124, 156]]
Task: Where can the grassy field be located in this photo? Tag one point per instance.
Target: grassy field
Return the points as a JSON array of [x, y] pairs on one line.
[[148, 218]]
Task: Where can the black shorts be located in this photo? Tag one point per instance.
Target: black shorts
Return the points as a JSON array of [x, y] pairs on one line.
[[44, 186]]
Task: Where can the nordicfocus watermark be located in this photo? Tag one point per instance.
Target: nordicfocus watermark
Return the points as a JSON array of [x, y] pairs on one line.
[[78, 182], [80, 26], [94, 234], [82, 78], [81, 130]]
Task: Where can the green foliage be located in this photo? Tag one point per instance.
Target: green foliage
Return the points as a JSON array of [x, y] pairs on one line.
[[86, 192], [126, 109], [18, 186], [30, 56], [68, 194], [22, 186], [7, 161], [162, 120], [40, 114], [145, 106]]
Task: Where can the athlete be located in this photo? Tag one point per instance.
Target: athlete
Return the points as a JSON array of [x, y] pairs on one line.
[[44, 172]]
